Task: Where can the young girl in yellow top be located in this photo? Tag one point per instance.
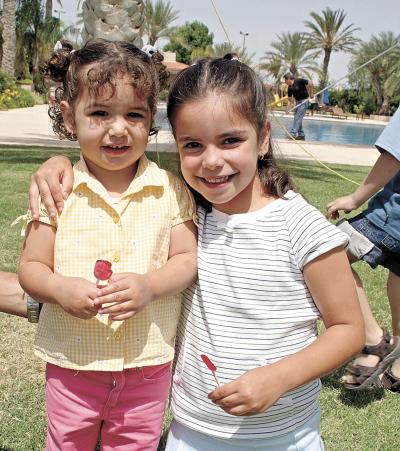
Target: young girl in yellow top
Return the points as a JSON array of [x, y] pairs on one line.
[[108, 366]]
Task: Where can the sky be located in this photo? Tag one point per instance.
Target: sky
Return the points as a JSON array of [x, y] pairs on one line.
[[264, 19]]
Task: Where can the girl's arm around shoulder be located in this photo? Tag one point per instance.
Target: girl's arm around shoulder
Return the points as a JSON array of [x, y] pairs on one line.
[[332, 287], [36, 276], [53, 182]]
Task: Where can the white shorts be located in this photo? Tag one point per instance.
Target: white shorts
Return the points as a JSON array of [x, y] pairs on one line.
[[305, 438]]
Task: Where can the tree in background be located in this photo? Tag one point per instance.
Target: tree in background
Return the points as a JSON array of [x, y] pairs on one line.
[[291, 53], [187, 41], [383, 74], [9, 37], [220, 50], [328, 34], [116, 20], [49, 8], [157, 20], [36, 36]]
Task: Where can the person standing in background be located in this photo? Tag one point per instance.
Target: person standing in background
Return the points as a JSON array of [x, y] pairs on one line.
[[300, 90]]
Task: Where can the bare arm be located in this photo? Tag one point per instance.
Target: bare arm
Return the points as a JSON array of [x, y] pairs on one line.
[[384, 169], [36, 276], [12, 299], [332, 287], [130, 292], [331, 284], [53, 181], [180, 271]]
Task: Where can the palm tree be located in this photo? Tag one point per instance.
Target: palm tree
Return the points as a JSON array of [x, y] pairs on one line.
[[220, 50], [36, 36], [116, 20], [9, 37], [328, 34], [292, 53], [383, 74], [49, 7], [158, 18]]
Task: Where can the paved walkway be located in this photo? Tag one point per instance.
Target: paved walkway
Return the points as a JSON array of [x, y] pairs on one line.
[[31, 126]]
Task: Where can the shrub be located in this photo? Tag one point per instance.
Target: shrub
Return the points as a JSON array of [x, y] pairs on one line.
[[26, 81], [39, 99], [6, 82], [16, 98], [163, 96]]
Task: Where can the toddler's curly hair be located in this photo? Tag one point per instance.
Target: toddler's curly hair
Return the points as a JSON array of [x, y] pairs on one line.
[[105, 61]]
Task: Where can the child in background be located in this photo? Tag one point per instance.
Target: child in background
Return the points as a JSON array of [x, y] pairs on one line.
[[375, 239], [108, 366], [270, 265]]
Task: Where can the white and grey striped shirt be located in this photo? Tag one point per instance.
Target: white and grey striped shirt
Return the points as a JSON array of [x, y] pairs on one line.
[[249, 308]]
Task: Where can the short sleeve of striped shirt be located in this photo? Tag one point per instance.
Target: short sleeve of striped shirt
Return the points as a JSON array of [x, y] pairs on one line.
[[310, 232], [182, 203]]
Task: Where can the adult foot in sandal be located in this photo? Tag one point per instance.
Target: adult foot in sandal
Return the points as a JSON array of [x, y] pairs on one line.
[[389, 380], [365, 369]]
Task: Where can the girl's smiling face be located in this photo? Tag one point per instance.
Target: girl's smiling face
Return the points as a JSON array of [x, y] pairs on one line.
[[219, 150], [112, 129]]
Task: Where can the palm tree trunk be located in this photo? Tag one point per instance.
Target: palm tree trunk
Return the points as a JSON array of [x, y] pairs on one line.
[[35, 65], [325, 65], [9, 37], [377, 88], [385, 107], [49, 9]]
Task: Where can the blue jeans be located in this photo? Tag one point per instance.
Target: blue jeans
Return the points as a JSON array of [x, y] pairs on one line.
[[299, 113], [386, 250]]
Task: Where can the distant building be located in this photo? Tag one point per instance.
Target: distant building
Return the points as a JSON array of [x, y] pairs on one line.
[[173, 66]]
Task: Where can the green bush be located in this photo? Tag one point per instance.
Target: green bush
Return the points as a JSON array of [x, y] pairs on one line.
[[16, 98], [163, 96], [26, 81], [6, 82], [39, 99]]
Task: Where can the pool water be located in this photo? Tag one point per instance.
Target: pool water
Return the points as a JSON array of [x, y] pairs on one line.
[[335, 132]]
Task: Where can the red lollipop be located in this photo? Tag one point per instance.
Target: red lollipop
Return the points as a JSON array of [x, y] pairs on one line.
[[102, 270], [210, 366]]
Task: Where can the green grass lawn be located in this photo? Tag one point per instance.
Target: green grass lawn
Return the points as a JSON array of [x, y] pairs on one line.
[[350, 421]]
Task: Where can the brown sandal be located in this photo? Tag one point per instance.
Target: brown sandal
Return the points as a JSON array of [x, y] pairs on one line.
[[389, 381], [366, 376]]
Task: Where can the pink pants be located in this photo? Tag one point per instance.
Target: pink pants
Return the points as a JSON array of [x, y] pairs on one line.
[[124, 409]]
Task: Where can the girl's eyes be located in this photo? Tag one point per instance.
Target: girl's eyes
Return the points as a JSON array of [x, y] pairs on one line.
[[136, 115], [132, 115], [232, 140], [192, 145], [99, 113]]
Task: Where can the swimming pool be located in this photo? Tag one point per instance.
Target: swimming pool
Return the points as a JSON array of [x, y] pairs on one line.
[[336, 132]]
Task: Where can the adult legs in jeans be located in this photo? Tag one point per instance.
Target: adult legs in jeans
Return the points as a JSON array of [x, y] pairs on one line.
[[299, 113], [373, 331]]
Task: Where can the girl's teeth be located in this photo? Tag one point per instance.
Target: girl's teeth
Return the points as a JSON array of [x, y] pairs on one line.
[[217, 179]]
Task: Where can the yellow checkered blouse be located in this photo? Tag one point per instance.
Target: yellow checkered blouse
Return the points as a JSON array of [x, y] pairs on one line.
[[133, 233]]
